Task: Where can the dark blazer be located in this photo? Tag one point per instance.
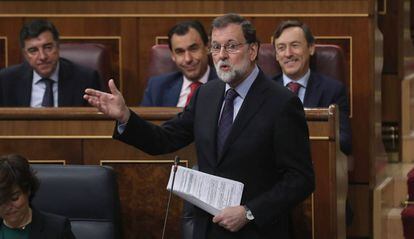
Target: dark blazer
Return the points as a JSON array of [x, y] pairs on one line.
[[164, 90], [49, 226], [16, 84], [267, 150], [323, 91]]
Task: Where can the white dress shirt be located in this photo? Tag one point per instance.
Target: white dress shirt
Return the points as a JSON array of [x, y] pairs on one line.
[[302, 81], [185, 88], [39, 87]]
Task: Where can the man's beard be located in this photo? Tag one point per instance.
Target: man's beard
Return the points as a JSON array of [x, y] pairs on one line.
[[235, 72]]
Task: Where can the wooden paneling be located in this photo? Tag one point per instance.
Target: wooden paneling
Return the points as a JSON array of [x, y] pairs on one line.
[[391, 98], [407, 107], [392, 23], [138, 23], [137, 181], [3, 52], [83, 136], [67, 150], [138, 35], [193, 8], [360, 199]]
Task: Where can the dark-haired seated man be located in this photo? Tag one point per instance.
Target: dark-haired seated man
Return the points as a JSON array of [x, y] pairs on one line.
[[188, 44], [44, 79], [18, 219], [294, 45]]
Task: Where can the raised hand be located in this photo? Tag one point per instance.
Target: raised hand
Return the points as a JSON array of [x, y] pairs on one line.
[[111, 104]]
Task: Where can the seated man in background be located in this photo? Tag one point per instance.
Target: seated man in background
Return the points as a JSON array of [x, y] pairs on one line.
[[188, 43], [18, 219], [44, 79], [295, 44]]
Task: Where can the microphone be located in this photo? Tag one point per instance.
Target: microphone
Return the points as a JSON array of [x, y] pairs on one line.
[[175, 167]]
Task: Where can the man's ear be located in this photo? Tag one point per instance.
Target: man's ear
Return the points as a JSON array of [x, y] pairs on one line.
[[173, 57], [312, 49], [253, 50]]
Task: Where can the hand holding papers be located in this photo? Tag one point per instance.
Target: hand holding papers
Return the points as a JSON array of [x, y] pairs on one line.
[[208, 192]]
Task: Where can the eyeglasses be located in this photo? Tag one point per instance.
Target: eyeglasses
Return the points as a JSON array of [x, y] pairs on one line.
[[230, 48]]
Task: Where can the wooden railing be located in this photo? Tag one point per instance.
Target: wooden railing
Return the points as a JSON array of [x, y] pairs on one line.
[[407, 131], [83, 136]]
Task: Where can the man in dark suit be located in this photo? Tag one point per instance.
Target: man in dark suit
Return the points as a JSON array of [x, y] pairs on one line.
[[295, 44], [44, 79], [188, 44], [245, 127]]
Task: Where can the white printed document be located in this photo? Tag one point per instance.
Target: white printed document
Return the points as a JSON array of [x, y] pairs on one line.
[[208, 192]]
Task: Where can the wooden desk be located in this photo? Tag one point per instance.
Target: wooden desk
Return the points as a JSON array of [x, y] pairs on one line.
[[83, 136]]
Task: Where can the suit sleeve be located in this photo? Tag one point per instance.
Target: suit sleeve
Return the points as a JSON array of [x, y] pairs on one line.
[[153, 139], [293, 162]]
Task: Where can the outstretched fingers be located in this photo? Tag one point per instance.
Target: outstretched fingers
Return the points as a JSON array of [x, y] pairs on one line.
[[112, 87]]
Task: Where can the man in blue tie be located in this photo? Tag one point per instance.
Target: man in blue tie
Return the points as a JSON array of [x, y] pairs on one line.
[[44, 79], [245, 127]]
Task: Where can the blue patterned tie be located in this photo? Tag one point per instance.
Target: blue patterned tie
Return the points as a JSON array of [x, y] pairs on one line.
[[48, 96], [226, 119]]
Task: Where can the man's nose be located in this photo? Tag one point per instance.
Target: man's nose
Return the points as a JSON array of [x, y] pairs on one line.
[[42, 54], [188, 57], [288, 51], [223, 53]]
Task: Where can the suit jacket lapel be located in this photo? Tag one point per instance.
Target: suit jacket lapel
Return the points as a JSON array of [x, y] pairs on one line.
[[312, 93], [216, 98], [250, 106], [214, 109], [212, 98]]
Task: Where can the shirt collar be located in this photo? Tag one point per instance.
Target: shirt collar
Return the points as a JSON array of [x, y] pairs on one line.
[[54, 76], [202, 80], [245, 85], [303, 81]]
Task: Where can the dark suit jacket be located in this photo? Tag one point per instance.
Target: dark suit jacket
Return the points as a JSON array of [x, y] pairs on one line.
[[267, 150], [16, 84], [323, 91], [164, 90], [49, 226]]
